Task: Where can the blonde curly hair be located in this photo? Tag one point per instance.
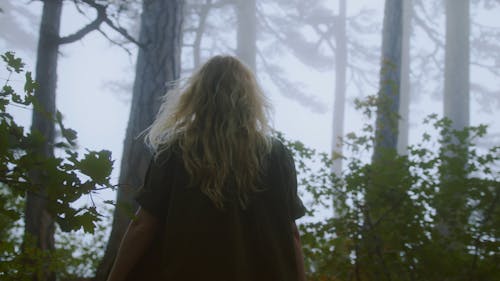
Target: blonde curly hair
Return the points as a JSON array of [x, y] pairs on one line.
[[219, 119]]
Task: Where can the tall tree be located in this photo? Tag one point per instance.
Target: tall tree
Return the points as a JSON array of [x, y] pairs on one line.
[[39, 225], [246, 43], [456, 109], [158, 62], [340, 86], [386, 131], [404, 102], [384, 169], [483, 44], [457, 61], [340, 92]]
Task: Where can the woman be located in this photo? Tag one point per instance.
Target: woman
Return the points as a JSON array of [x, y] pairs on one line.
[[219, 200]]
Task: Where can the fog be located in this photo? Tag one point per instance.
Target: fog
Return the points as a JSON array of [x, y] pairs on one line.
[[295, 62], [95, 75]]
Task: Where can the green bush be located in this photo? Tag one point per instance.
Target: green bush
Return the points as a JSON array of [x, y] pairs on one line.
[[65, 178], [431, 215]]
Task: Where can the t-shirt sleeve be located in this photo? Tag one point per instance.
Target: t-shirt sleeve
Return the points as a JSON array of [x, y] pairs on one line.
[[297, 209], [154, 193]]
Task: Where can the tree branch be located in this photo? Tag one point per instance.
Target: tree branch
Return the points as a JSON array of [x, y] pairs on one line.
[[121, 45], [203, 15], [430, 32], [94, 25], [123, 32]]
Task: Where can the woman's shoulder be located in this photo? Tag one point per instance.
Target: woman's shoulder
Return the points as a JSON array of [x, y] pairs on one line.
[[278, 146], [167, 154]]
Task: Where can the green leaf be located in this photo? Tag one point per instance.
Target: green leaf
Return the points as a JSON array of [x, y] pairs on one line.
[[87, 221], [30, 85], [97, 165], [13, 63], [69, 134], [110, 202], [7, 90], [11, 214]]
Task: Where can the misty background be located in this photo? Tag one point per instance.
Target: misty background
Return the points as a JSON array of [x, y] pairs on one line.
[[295, 63], [95, 76]]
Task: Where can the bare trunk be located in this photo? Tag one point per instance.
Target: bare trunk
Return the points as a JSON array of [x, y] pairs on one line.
[[456, 76], [384, 171], [39, 225], [456, 108], [386, 131], [340, 88], [158, 62], [246, 48], [404, 102]]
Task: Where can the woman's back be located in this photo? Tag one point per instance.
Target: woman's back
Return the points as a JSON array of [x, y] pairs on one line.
[[220, 197], [200, 241]]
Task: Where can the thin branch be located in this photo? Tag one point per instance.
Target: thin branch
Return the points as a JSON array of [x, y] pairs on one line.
[[204, 12], [94, 25], [492, 68], [121, 45], [123, 32], [324, 37], [431, 33], [78, 8], [110, 23]]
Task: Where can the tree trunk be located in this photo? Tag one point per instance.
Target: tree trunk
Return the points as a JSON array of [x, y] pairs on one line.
[[456, 108], [246, 49], [404, 102], [158, 62], [385, 172], [386, 130], [340, 85], [456, 76], [39, 225], [340, 88]]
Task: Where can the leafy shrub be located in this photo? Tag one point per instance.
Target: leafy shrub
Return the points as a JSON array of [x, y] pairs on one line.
[[431, 215], [64, 178]]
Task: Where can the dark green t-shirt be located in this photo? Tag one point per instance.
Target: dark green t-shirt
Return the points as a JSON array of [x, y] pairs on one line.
[[199, 242]]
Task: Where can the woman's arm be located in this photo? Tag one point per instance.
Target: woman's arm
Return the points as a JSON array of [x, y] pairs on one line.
[[137, 239], [299, 256]]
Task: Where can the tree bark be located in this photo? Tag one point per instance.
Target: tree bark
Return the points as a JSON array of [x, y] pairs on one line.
[[246, 49], [405, 91], [158, 62], [386, 130], [39, 224]]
